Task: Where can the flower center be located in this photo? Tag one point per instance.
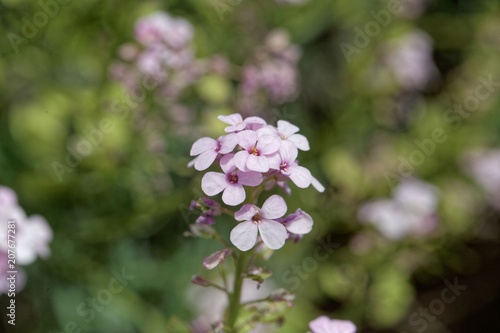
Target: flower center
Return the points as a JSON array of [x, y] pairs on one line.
[[284, 167], [233, 178], [254, 151], [283, 137], [256, 219]]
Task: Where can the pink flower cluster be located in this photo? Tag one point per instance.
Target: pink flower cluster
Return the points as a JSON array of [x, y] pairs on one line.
[[251, 154], [273, 71], [32, 237]]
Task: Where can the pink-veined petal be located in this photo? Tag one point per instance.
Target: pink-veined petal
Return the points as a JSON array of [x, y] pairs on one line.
[[300, 225], [247, 139], [213, 183], [300, 176], [267, 130], [228, 142], [233, 195], [274, 207], [244, 235], [254, 122], [232, 119], [299, 141], [288, 152], [257, 163], [273, 233], [285, 128], [236, 122], [201, 145], [227, 163], [240, 160], [246, 212], [250, 178], [205, 160], [268, 145]]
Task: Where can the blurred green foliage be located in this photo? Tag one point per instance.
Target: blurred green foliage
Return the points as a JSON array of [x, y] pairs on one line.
[[125, 207]]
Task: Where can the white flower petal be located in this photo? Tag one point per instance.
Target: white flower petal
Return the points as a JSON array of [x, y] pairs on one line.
[[274, 207], [273, 233], [244, 235], [213, 183]]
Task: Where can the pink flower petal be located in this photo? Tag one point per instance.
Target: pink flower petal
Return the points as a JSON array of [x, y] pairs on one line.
[[254, 123], [247, 139], [232, 119], [268, 145], [227, 163], [323, 324], [285, 128], [257, 163], [268, 130], [205, 160], [240, 160], [317, 185], [274, 161], [227, 143], [201, 145], [299, 141], [235, 120], [300, 176], [213, 183], [244, 235], [246, 212], [7, 196], [288, 152], [233, 195], [274, 207], [302, 224], [273, 234], [250, 178]]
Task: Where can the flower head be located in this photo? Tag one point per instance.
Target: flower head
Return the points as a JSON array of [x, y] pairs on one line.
[[258, 151], [260, 221], [207, 149], [230, 182]]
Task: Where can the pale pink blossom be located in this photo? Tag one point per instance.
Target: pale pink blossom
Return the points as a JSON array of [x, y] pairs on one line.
[[299, 222], [260, 221], [412, 210], [287, 165], [230, 182], [207, 150], [257, 151], [324, 324]]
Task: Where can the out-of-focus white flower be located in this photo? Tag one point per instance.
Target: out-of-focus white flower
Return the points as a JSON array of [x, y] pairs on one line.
[[412, 210], [31, 239], [409, 59], [484, 167]]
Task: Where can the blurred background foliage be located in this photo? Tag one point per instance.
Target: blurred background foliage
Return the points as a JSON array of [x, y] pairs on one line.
[[125, 204]]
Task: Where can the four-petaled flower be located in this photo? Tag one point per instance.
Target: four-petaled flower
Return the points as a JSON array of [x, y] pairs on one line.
[[207, 150], [258, 151], [288, 166], [260, 221], [231, 182]]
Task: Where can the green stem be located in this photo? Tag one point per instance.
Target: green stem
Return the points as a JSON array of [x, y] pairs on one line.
[[235, 297]]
